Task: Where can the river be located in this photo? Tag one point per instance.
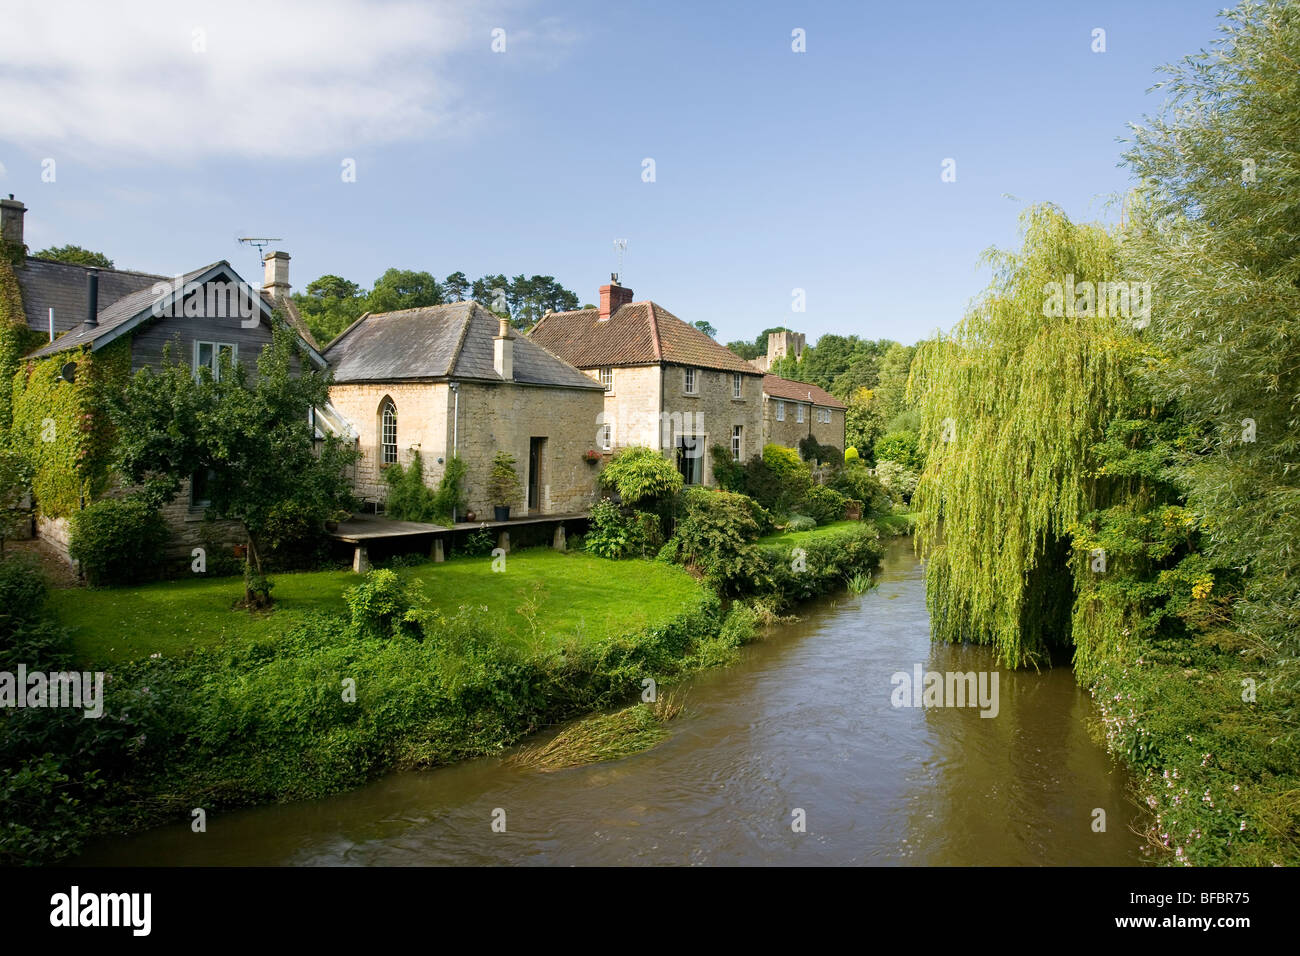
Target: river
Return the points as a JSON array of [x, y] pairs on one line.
[[803, 723]]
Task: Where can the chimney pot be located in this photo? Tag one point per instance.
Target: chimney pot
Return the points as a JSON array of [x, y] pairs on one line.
[[92, 297], [503, 351]]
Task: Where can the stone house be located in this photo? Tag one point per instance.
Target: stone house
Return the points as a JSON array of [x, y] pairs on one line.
[[68, 332], [794, 410], [666, 384], [456, 380]]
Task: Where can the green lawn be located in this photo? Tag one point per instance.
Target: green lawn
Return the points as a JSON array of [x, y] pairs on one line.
[[795, 537], [573, 595]]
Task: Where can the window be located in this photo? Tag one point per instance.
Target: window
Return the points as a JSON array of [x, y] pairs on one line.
[[826, 416], [798, 412], [735, 441], [780, 410], [690, 458], [691, 384], [607, 378], [388, 433], [200, 482], [736, 381], [606, 438], [209, 355]]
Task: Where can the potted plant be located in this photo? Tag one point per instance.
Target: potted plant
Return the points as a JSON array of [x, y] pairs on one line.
[[591, 456], [503, 485]]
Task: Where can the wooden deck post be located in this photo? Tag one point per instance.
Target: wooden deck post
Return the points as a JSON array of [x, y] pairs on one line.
[[360, 560], [503, 541], [437, 550], [559, 543]]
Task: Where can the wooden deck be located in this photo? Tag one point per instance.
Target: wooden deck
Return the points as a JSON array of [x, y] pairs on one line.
[[363, 530]]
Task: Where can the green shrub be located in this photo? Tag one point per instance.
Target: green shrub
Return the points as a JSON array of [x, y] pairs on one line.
[[382, 605], [800, 523], [614, 534], [901, 447], [716, 531], [641, 475], [824, 504], [813, 450], [504, 487], [119, 541], [857, 482], [479, 543], [851, 455], [449, 499], [899, 481], [409, 498]]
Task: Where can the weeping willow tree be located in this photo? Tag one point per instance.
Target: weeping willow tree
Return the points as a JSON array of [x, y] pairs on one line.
[[1013, 402]]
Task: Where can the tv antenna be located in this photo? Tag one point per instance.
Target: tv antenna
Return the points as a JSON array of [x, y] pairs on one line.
[[259, 243], [621, 246]]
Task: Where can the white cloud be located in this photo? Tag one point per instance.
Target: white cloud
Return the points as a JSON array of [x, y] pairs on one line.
[[123, 82]]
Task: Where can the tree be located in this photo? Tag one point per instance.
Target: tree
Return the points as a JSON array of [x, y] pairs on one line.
[[492, 291], [456, 287], [76, 255], [1013, 403], [1217, 235], [531, 298], [254, 441], [330, 305], [707, 328], [400, 289]]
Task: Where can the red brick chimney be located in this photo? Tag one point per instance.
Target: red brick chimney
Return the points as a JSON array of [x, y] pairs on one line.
[[613, 297]]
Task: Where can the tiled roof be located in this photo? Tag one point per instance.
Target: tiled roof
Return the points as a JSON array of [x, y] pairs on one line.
[[639, 333], [794, 391], [439, 342], [113, 313], [46, 284]]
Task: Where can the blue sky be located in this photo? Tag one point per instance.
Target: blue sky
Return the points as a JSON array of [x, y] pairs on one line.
[[180, 127]]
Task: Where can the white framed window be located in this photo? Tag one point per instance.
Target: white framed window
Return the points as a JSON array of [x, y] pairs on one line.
[[780, 410], [736, 382], [826, 416], [388, 433], [737, 431], [692, 381], [607, 378], [209, 355], [606, 437], [798, 411]]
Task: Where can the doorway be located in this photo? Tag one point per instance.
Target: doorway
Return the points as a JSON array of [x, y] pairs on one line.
[[536, 448]]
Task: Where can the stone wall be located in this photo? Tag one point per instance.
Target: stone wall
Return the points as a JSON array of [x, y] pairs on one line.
[[712, 411], [631, 407], [423, 421], [497, 418], [792, 431]]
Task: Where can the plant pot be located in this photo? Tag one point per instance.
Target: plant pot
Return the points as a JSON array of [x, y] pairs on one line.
[[331, 526], [501, 512], [470, 516]]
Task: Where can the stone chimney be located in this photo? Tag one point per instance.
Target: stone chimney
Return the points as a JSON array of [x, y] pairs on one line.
[[503, 351], [613, 297], [275, 277], [11, 222]]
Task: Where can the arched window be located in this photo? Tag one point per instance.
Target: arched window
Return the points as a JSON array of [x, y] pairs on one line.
[[388, 432]]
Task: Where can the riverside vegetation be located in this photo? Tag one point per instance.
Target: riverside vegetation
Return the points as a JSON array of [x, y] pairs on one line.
[[404, 669]]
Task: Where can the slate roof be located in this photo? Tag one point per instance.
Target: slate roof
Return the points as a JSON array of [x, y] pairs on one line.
[[113, 312], [639, 333], [441, 342], [794, 391], [47, 284]]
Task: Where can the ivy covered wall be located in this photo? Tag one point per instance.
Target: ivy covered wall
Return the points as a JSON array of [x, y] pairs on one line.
[[16, 339], [62, 428]]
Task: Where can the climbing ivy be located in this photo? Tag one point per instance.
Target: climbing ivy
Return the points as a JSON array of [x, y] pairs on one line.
[[16, 339], [62, 428]]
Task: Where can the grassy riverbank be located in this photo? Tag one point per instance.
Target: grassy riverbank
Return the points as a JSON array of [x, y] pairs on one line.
[[543, 597], [348, 678]]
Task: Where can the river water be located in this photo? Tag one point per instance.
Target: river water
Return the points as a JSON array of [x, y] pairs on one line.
[[803, 723]]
